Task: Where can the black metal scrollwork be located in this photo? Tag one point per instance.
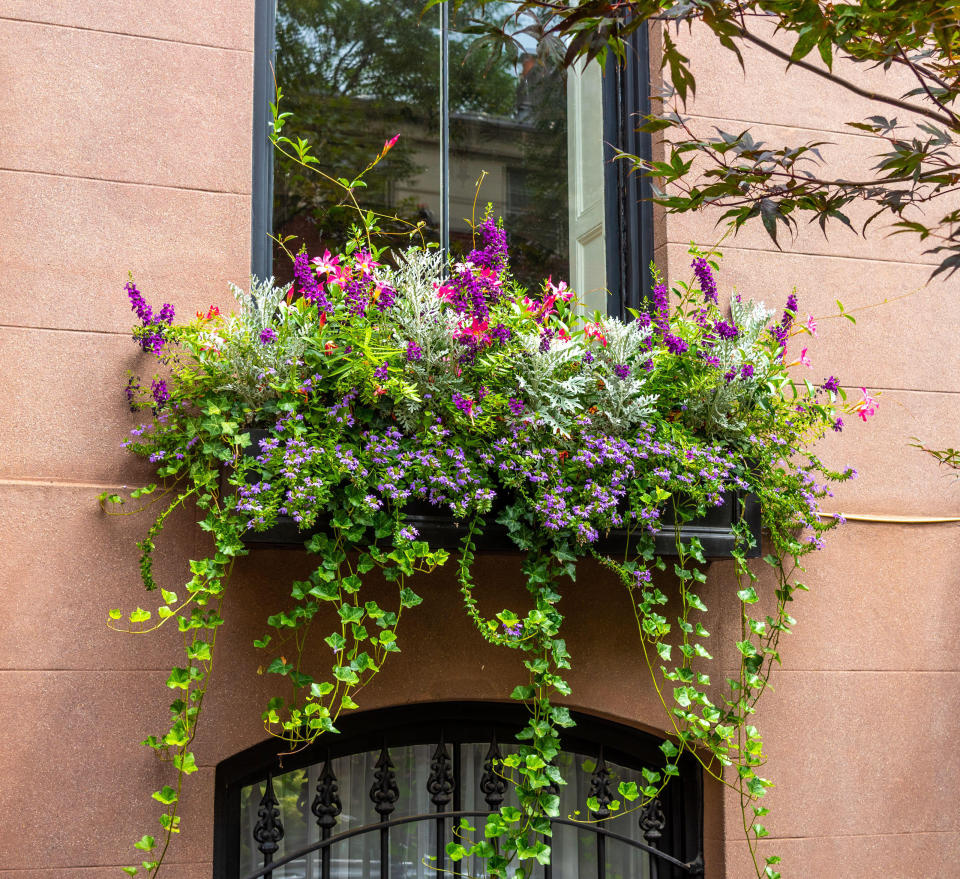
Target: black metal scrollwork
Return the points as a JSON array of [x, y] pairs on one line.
[[326, 804], [493, 785], [268, 830], [440, 782], [384, 792], [600, 788]]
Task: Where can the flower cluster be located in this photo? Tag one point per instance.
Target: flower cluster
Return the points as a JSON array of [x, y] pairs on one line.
[[381, 388]]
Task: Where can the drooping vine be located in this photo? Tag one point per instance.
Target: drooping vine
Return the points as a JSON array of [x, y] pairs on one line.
[[383, 384]]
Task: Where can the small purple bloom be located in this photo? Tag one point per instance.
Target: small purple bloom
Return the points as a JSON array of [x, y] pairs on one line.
[[516, 406], [621, 370], [381, 372], [838, 425], [746, 371], [414, 352], [726, 330], [831, 384], [268, 336]]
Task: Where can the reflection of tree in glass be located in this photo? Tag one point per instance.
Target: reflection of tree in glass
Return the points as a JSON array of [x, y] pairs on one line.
[[354, 73], [536, 207]]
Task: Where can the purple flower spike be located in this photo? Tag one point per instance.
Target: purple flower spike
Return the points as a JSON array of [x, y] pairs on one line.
[[268, 336], [708, 286]]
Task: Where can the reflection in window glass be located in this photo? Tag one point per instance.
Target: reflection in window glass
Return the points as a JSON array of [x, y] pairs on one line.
[[356, 72]]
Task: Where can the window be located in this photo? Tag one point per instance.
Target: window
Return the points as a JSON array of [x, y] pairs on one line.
[[380, 800], [541, 138]]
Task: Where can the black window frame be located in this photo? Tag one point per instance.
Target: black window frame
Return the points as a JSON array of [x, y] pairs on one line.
[[628, 209]]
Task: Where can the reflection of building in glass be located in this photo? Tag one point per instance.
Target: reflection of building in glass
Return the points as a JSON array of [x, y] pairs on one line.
[[507, 125]]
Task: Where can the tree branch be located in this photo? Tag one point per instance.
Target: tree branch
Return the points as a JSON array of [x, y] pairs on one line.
[[849, 86], [923, 83]]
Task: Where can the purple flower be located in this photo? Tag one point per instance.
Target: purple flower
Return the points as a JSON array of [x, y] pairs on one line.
[[131, 391], [838, 425], [305, 281], [746, 371], [726, 330], [621, 370], [661, 304], [409, 533], [675, 345], [831, 384], [708, 286], [160, 393], [500, 333], [516, 406], [514, 631], [588, 357], [268, 336], [464, 404], [381, 372], [414, 352], [138, 303]]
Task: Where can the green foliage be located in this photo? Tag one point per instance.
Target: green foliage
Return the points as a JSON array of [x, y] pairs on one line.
[[357, 429]]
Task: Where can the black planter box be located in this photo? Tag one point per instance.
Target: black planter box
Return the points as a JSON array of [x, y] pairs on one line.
[[441, 531]]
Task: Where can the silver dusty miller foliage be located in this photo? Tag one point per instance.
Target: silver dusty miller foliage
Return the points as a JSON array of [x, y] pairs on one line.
[[249, 364]]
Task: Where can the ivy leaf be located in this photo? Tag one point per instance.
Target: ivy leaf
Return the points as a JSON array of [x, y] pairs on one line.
[[146, 843]]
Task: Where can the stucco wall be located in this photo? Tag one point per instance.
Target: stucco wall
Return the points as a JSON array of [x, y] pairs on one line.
[[125, 132], [126, 144]]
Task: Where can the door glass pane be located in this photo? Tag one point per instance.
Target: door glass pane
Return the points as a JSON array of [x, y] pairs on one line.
[[412, 845]]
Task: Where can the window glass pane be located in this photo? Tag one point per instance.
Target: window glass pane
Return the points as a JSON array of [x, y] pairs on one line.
[[354, 73], [512, 124]]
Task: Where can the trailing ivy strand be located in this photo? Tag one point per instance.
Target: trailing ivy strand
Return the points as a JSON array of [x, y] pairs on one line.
[[384, 381]]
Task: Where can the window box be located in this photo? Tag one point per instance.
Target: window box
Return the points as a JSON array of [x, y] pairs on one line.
[[442, 531]]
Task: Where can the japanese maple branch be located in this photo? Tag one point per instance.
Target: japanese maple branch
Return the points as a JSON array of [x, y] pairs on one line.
[[849, 86]]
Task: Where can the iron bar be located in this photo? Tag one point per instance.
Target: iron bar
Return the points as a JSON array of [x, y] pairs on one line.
[[268, 830], [326, 807], [440, 786], [384, 794]]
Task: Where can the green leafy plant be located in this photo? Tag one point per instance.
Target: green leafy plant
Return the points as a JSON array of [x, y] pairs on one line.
[[387, 380]]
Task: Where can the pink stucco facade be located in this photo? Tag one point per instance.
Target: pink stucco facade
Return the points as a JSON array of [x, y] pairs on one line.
[[125, 131]]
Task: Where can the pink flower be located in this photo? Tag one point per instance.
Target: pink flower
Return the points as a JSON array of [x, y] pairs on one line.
[[811, 325], [445, 291], [326, 264], [804, 359], [867, 406], [560, 291], [364, 261], [389, 144], [593, 331], [477, 330]]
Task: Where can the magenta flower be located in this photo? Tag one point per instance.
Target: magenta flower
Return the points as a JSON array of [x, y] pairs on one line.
[[866, 406]]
